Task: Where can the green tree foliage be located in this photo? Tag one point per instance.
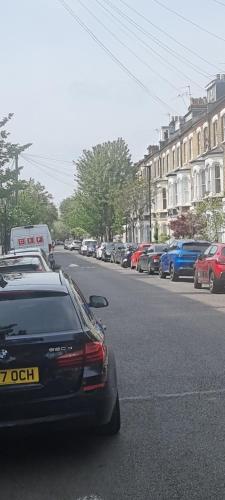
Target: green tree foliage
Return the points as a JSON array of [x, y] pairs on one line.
[[207, 221], [33, 205], [102, 173]]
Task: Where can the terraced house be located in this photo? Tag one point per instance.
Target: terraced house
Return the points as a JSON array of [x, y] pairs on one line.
[[187, 165]]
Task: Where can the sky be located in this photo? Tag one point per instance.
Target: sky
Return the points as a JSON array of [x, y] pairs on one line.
[[68, 94]]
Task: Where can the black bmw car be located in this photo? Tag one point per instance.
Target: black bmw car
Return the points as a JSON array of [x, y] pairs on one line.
[[54, 361]]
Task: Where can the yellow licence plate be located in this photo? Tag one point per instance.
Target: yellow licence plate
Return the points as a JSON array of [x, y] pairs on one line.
[[19, 376]]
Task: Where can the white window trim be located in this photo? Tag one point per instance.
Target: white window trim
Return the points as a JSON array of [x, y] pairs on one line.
[[178, 145], [185, 140], [215, 118], [173, 148], [190, 136], [199, 129], [205, 125], [222, 113]]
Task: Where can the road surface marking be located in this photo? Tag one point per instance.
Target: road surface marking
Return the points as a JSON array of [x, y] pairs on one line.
[[175, 395], [90, 497], [73, 265]]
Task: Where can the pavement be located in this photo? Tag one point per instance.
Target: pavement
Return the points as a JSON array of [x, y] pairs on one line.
[[169, 342]]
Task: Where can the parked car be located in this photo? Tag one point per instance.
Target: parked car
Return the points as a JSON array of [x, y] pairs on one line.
[[115, 248], [74, 245], [23, 263], [107, 251], [91, 250], [67, 244], [149, 260], [48, 258], [99, 250], [55, 365], [124, 253], [85, 244], [136, 255], [210, 268], [180, 258]]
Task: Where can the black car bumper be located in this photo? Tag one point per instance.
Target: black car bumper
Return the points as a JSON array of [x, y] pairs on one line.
[[83, 408], [185, 271]]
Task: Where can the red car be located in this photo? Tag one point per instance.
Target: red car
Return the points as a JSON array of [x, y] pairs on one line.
[[210, 268], [136, 255]]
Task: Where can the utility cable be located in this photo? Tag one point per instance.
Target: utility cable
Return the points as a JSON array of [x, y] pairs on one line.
[[193, 52], [127, 47], [219, 2], [148, 48], [53, 169], [158, 42], [52, 159], [181, 16], [46, 173], [112, 56]]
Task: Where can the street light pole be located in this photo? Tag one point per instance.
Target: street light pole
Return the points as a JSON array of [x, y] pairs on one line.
[[150, 203]]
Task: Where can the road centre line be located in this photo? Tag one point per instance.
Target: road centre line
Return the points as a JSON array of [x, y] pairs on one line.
[[176, 395]]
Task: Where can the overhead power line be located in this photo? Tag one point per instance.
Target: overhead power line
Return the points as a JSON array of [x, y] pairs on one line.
[[128, 48], [52, 159], [112, 56], [148, 48], [46, 173], [53, 169], [219, 2], [178, 42], [205, 30], [158, 42]]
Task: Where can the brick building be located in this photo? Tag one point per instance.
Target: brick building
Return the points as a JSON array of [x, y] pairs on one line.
[[187, 165]]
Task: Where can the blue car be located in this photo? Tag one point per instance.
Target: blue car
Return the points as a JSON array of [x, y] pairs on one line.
[[180, 258]]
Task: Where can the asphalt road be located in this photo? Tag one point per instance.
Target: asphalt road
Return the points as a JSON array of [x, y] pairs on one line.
[[169, 341]]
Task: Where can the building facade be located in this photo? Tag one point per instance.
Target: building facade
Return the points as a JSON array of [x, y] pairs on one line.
[[188, 164]]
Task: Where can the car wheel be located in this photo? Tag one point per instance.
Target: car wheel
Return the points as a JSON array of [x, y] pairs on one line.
[[162, 275], [113, 425], [139, 269], [150, 270], [196, 283], [173, 275], [213, 287]]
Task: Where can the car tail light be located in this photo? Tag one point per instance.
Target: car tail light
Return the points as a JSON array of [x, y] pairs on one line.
[[156, 258], [72, 359], [221, 260], [93, 352]]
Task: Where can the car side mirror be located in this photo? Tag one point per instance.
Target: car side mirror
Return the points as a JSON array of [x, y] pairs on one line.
[[98, 301], [201, 257]]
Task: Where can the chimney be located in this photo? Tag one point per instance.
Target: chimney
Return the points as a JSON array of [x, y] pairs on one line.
[[152, 149]]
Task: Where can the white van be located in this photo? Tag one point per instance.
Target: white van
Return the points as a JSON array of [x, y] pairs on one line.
[[31, 236]]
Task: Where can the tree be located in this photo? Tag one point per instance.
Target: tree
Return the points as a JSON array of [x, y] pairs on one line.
[[101, 173], [211, 212], [188, 225], [35, 206]]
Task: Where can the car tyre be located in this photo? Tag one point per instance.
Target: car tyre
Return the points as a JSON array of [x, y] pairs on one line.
[[113, 425], [150, 270], [213, 287], [162, 275], [197, 285], [173, 275], [138, 269]]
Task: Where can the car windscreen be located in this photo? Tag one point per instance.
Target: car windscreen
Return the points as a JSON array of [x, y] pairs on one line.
[[90, 243], [20, 261], [33, 313], [195, 247]]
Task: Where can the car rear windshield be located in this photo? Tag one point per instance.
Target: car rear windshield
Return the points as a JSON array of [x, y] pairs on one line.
[[34, 314], [88, 243], [159, 248], [195, 247]]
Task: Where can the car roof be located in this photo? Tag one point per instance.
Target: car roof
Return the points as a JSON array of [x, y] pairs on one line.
[[48, 281], [21, 255], [25, 250]]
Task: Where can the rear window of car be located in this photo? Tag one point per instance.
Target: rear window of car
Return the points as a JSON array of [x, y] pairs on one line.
[[195, 247], [35, 314]]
